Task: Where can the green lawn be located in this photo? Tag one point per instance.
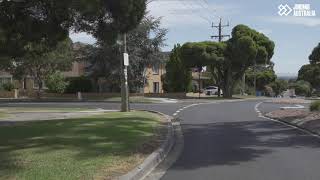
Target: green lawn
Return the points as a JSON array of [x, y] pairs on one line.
[[41, 109], [98, 147]]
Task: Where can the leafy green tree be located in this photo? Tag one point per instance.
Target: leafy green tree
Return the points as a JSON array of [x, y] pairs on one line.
[[42, 61], [245, 49], [56, 83], [144, 47], [232, 58], [178, 76], [32, 21], [263, 78], [195, 55], [315, 55], [311, 74], [302, 88], [48, 21], [279, 86]]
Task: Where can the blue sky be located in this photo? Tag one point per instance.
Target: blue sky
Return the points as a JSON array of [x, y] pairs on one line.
[[189, 20]]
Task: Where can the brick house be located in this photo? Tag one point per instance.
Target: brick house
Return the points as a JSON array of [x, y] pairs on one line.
[[153, 78], [153, 74]]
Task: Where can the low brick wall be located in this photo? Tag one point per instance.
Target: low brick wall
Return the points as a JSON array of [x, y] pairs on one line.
[[167, 95], [87, 96], [6, 94]]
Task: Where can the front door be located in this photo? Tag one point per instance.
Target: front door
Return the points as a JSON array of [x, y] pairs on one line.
[[156, 87]]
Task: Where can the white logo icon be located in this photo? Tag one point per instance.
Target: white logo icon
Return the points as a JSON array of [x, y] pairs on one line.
[[284, 10]]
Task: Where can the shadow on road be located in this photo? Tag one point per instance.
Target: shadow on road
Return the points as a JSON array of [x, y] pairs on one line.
[[231, 143]]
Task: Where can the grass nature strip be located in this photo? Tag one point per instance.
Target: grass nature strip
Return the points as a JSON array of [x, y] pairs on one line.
[[97, 147]]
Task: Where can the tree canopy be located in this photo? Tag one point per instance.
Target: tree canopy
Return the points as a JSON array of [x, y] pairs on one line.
[[311, 74], [315, 55], [232, 58], [144, 46], [49, 21], [178, 77]]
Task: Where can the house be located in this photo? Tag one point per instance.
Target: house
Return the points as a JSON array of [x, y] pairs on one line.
[[152, 83], [28, 83], [204, 77], [153, 78]]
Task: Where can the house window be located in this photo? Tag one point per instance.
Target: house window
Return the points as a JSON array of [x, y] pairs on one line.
[[155, 69], [156, 87]]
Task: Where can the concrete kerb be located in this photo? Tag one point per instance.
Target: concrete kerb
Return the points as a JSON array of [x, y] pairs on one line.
[[288, 124], [153, 160]]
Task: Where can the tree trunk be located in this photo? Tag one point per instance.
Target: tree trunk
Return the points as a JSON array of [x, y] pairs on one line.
[[39, 88], [228, 84], [199, 85]]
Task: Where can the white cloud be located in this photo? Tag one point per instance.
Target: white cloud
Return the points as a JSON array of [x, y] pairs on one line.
[[305, 21]]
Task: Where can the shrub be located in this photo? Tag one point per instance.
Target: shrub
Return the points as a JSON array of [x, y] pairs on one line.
[[79, 84], [56, 83], [8, 86], [315, 106], [302, 88]]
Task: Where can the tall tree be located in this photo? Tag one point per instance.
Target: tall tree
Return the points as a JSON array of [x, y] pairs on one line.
[[311, 74], [245, 49], [194, 55], [144, 47], [232, 58], [178, 76], [49, 21], [315, 55], [32, 21]]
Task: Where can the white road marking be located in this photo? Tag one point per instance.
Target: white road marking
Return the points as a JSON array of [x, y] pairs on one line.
[[295, 107]]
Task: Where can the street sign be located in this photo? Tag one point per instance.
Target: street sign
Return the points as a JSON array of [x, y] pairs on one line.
[[126, 59]]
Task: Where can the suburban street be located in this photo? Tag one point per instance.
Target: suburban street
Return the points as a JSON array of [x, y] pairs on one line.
[[227, 140]]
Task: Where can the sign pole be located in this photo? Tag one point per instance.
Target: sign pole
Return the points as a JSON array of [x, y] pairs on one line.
[[124, 82]]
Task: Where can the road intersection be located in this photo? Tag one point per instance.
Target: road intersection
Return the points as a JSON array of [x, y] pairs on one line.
[[230, 140]]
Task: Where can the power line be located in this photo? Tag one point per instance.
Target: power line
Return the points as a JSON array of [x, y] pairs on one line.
[[191, 7]]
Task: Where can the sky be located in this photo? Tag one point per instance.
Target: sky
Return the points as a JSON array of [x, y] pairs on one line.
[[191, 20]]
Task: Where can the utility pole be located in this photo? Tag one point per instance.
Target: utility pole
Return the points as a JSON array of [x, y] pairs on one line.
[[124, 78], [220, 37]]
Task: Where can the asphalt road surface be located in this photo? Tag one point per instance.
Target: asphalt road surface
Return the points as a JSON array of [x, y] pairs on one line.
[[228, 141]]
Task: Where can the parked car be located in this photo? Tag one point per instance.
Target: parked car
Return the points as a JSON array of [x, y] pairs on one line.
[[211, 90]]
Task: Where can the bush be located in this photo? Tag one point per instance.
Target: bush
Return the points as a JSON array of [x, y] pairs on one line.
[[8, 86], [56, 83], [302, 88], [315, 106], [79, 84]]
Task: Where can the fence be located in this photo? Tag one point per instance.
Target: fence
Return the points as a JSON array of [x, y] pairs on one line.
[[85, 96]]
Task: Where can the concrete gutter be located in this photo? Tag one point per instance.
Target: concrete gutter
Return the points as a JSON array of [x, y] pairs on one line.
[[153, 160]]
